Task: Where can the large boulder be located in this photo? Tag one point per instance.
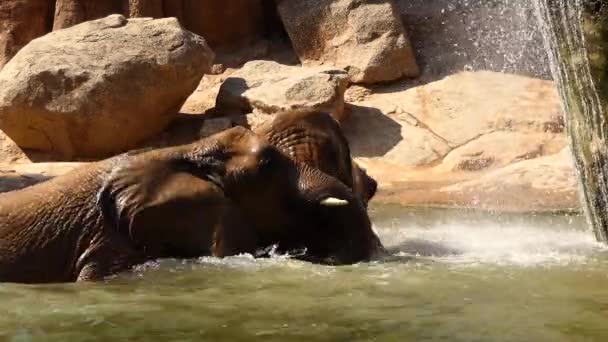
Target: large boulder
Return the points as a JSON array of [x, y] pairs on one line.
[[269, 87], [420, 141], [100, 87], [545, 183], [366, 38], [20, 22]]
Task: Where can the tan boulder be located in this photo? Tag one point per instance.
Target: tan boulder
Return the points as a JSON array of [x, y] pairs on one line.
[[20, 22], [419, 125], [464, 106], [501, 148], [365, 38], [269, 87], [100, 87], [545, 183], [395, 138], [419, 140]]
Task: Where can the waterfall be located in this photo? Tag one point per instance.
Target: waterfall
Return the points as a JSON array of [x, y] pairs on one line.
[[576, 39]]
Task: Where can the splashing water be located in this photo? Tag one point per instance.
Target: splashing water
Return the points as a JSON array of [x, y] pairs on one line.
[[457, 276]]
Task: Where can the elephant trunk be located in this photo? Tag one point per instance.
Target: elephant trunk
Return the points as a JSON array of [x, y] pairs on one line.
[[345, 234]]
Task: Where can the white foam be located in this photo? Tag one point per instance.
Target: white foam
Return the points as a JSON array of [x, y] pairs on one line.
[[492, 243]]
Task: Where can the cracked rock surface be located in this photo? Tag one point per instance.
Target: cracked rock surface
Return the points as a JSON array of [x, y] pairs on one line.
[[458, 140]]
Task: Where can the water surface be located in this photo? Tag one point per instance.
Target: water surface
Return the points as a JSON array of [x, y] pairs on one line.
[[456, 276]]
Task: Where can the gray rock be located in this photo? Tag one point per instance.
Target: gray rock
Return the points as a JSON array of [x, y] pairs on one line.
[[269, 87]]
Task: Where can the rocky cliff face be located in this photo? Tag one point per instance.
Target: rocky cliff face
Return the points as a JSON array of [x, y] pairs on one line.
[[464, 115]]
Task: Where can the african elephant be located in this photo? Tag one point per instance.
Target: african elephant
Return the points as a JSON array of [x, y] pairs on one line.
[[316, 139], [227, 194]]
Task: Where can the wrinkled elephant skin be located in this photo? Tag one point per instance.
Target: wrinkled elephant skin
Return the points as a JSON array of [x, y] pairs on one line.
[[227, 194]]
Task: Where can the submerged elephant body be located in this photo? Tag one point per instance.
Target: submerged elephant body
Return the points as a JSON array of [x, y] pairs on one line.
[[228, 194]]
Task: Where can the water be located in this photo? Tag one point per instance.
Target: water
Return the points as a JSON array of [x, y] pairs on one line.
[[456, 276]]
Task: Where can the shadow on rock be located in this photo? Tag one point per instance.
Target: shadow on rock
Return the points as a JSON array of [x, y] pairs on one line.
[[370, 132], [230, 96]]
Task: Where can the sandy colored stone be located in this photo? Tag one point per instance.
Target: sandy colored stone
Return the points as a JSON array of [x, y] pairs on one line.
[[100, 87], [269, 87], [498, 136], [20, 22], [501, 148], [545, 182], [365, 38], [376, 134], [463, 106], [418, 125]]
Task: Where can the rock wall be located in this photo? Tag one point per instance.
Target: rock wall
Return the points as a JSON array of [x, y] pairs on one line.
[[224, 24], [456, 35], [20, 22]]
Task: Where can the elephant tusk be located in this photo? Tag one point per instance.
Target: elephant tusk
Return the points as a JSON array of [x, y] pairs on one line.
[[333, 202]]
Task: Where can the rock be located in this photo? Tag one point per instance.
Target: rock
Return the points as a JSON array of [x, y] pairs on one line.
[[417, 140], [100, 87], [20, 22], [461, 107], [417, 126], [14, 177], [268, 87], [146, 8], [541, 184], [546, 183], [393, 138], [72, 12], [489, 150], [224, 23], [366, 38]]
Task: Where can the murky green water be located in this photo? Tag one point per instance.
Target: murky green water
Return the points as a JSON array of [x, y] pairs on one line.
[[476, 278]]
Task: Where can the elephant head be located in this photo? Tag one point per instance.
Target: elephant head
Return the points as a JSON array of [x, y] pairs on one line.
[[234, 189], [316, 139]]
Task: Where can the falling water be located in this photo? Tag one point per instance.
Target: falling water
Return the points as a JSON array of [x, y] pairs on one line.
[[575, 33]]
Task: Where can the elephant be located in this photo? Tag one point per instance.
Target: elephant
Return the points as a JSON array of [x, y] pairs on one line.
[[315, 138], [226, 194]]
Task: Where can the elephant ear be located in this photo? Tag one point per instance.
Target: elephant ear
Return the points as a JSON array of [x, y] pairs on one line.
[[164, 207], [364, 186]]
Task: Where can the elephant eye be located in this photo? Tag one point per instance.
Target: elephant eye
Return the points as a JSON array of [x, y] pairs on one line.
[[268, 157]]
